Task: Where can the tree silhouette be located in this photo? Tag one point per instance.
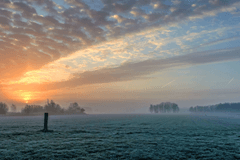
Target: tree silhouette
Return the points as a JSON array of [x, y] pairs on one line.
[[191, 109], [27, 109], [175, 108], [226, 107], [50, 107], [53, 107], [32, 109], [164, 107], [151, 108], [13, 108], [3, 108], [82, 110], [75, 108]]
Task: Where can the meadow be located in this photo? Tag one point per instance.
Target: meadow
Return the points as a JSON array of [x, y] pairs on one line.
[[149, 136]]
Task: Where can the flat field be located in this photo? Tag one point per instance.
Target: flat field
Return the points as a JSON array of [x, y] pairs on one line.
[[154, 136]]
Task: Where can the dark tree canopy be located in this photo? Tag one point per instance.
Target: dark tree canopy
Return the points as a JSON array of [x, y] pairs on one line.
[[226, 107], [13, 108], [164, 107], [28, 109], [75, 108], [3, 108], [52, 107]]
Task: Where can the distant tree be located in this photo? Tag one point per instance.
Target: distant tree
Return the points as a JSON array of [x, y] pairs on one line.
[[53, 107], [191, 109], [212, 108], [3, 108], [13, 108], [37, 108], [75, 108], [226, 107], [155, 109], [175, 108], [161, 107], [167, 107], [164, 107], [28, 109], [82, 110], [151, 108]]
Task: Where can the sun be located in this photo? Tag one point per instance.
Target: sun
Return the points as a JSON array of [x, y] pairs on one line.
[[26, 96]]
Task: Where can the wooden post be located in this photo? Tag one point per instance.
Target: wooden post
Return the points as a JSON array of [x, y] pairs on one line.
[[45, 122], [45, 129]]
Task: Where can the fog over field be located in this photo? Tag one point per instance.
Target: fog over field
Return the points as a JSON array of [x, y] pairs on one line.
[[168, 136]]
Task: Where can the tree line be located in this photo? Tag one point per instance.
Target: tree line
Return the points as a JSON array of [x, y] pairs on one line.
[[164, 107], [50, 107], [226, 107]]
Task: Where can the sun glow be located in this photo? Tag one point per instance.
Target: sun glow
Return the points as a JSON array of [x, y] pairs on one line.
[[23, 96], [26, 96]]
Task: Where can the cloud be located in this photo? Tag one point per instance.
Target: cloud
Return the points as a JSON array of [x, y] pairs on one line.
[[4, 21], [136, 70], [219, 41], [33, 40]]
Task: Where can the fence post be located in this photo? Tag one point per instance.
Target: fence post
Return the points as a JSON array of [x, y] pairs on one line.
[[45, 122], [45, 129]]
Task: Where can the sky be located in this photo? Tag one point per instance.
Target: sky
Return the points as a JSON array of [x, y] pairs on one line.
[[119, 56]]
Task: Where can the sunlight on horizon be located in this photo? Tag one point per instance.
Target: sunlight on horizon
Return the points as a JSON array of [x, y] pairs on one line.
[[25, 96]]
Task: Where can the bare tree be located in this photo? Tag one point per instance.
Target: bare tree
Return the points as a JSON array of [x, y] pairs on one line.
[[13, 108], [151, 108], [164, 107], [75, 108], [3, 108], [53, 107]]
